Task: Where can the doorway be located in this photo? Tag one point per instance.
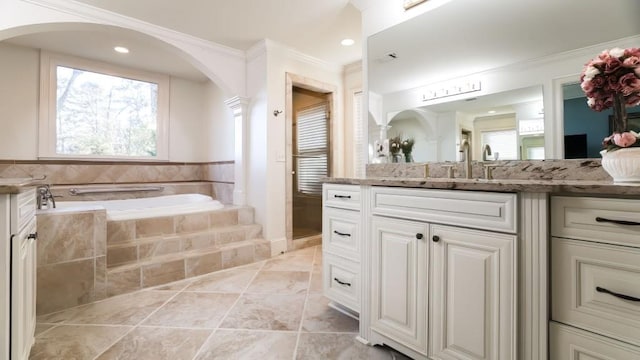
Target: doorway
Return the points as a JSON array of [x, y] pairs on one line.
[[308, 144]]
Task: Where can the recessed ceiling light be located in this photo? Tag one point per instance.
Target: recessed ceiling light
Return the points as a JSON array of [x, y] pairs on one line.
[[347, 42], [121, 49], [491, 111]]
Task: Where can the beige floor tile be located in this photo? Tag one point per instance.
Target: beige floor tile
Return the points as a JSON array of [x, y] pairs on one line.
[[247, 344], [193, 310], [174, 286], [315, 286], [151, 343], [75, 341], [229, 281], [308, 251], [290, 263], [272, 312], [340, 347], [280, 282], [41, 328], [319, 317], [127, 309]]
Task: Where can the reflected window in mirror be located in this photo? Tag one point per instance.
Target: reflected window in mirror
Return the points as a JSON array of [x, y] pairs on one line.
[[584, 128]]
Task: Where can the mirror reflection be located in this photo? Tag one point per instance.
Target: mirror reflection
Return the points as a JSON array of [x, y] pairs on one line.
[[584, 128], [511, 123], [433, 89]]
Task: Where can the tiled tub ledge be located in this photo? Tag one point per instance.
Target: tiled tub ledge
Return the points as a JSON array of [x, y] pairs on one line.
[[82, 257]]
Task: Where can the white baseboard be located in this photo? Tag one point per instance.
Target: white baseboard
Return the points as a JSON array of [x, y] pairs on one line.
[[278, 246]]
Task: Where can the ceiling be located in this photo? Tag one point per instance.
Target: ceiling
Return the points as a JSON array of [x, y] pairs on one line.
[[464, 37], [314, 28]]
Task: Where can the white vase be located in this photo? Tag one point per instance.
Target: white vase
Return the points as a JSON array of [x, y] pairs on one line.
[[623, 165]]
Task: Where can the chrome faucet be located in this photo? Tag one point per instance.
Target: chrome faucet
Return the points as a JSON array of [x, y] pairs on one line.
[[486, 150], [44, 197], [464, 148]]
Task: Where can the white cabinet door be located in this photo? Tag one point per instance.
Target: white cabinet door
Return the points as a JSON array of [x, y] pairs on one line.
[[473, 294], [23, 314], [399, 259]]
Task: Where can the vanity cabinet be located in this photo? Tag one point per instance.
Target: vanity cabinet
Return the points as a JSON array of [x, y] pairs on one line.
[[341, 246], [399, 281], [440, 289], [473, 299], [18, 281], [595, 282]]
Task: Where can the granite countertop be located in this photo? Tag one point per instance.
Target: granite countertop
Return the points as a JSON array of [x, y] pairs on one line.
[[580, 176], [596, 187], [14, 185]]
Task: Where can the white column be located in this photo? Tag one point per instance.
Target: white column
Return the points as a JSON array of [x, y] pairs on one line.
[[240, 107]]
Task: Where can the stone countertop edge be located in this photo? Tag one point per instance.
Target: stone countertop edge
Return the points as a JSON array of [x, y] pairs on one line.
[[15, 185], [595, 187]]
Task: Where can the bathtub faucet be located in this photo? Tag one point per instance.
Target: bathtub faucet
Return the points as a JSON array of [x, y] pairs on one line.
[[45, 197]]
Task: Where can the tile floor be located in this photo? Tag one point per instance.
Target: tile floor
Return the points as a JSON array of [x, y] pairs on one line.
[[273, 309]]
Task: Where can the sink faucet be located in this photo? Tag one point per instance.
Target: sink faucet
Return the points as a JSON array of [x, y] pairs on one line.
[[464, 148], [486, 150], [45, 196]]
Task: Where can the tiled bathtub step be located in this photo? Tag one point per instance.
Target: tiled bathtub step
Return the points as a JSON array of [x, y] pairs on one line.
[[129, 230], [142, 249], [172, 267]]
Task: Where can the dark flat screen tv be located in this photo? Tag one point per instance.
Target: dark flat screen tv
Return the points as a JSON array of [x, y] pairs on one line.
[[575, 146]]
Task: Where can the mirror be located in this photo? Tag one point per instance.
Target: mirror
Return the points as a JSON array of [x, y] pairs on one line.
[[438, 90]]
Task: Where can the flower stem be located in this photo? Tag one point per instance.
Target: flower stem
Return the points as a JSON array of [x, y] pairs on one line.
[[619, 114]]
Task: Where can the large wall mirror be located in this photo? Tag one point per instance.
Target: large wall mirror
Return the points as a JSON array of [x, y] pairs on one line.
[[493, 72]]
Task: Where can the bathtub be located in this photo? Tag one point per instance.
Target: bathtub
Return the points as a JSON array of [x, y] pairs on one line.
[[142, 208]]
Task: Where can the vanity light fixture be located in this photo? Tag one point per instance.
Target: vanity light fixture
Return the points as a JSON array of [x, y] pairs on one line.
[[347, 42], [450, 89], [408, 4], [121, 49]]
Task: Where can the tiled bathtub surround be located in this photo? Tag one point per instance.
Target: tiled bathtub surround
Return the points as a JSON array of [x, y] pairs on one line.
[[83, 258], [574, 169], [71, 265], [219, 175], [148, 252]]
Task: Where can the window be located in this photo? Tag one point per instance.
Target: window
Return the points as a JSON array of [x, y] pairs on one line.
[[92, 110], [312, 150], [502, 142]]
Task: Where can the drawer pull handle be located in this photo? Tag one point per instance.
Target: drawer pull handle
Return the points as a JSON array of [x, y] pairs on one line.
[[621, 296], [342, 196], [340, 233], [619, 222], [342, 282], [32, 236]]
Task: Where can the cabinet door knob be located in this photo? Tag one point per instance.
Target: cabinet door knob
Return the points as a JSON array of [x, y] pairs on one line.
[[419, 236], [435, 238]]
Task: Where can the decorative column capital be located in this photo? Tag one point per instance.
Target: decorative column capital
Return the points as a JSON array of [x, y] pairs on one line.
[[237, 102]]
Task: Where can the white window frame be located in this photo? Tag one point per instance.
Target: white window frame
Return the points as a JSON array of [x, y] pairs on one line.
[[47, 115]]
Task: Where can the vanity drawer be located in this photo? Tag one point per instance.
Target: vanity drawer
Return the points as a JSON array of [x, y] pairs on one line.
[[25, 209], [341, 196], [589, 282], [341, 233], [569, 343], [615, 221], [481, 210], [342, 281]]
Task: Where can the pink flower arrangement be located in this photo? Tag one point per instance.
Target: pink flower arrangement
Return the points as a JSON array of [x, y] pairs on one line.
[[612, 80]]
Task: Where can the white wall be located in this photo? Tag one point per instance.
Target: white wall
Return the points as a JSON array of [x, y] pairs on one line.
[[352, 80], [200, 128], [19, 83]]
